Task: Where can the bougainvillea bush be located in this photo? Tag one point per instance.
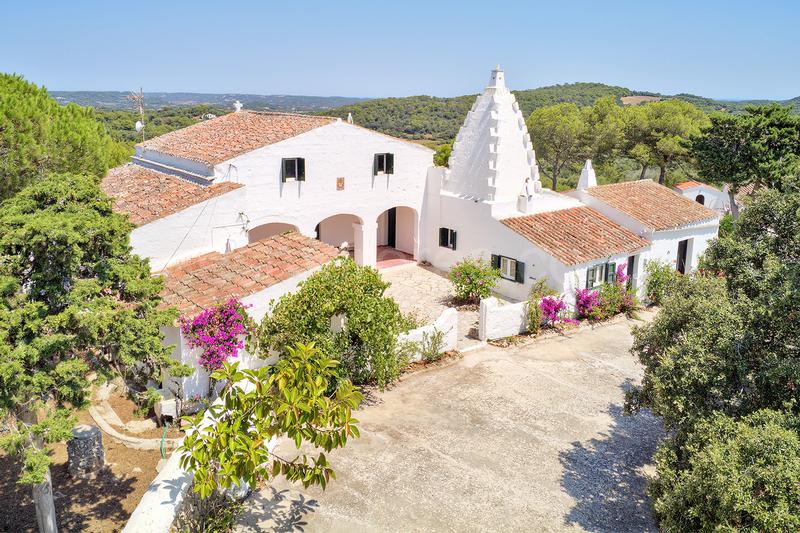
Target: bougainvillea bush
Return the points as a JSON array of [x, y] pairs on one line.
[[585, 302], [473, 279], [554, 311], [218, 332]]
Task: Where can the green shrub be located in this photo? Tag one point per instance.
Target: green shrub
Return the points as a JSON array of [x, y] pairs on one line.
[[731, 475], [539, 290], [473, 279], [432, 345], [660, 277], [366, 346]]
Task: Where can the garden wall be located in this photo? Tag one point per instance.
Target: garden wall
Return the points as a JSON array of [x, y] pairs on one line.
[[497, 320], [447, 323]]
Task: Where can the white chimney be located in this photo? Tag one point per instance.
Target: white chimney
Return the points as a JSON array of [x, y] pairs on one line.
[[349, 118], [237, 106], [588, 177]]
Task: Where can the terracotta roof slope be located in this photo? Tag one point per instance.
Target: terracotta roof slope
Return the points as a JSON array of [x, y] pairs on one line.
[[219, 139], [692, 183], [653, 205], [146, 195], [576, 235], [213, 278]]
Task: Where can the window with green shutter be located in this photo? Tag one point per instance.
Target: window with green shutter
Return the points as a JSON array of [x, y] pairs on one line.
[[510, 268]]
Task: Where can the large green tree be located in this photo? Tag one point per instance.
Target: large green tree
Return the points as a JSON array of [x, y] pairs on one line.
[[658, 134], [38, 136], [558, 135], [73, 300], [760, 147], [724, 347]]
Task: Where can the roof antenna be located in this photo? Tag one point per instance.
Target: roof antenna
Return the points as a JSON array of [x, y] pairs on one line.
[[138, 103]]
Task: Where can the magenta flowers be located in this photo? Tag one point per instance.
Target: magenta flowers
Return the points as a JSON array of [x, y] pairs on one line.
[[585, 301], [621, 275], [217, 331], [553, 309]]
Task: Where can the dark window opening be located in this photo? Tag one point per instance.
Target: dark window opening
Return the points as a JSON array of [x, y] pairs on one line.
[[700, 199], [447, 238], [683, 248], [293, 169], [383, 164]]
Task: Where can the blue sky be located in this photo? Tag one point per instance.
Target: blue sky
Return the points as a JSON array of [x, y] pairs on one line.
[[722, 49]]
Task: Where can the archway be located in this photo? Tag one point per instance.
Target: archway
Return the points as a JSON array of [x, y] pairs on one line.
[[338, 231], [700, 199], [271, 229], [397, 236]]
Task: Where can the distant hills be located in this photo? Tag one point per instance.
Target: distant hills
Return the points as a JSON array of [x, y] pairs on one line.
[[425, 118], [117, 100]]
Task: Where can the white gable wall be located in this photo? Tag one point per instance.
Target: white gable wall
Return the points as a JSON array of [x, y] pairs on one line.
[[332, 151], [714, 198]]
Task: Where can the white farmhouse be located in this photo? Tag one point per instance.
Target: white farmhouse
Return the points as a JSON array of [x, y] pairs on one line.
[[248, 204]]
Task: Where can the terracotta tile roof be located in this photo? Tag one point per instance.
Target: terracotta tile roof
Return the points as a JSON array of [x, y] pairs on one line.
[[198, 283], [219, 139], [576, 235], [745, 192], [146, 195], [691, 183], [653, 205]]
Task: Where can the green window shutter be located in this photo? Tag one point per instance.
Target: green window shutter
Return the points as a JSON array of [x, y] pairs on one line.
[[590, 277], [375, 165], [301, 169], [283, 170], [453, 239], [611, 274], [495, 261], [443, 232], [390, 163], [519, 276]]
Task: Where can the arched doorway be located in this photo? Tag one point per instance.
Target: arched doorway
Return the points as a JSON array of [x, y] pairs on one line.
[[338, 231], [700, 199], [269, 230], [397, 236]]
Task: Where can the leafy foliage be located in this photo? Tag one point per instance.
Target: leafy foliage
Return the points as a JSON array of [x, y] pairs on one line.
[[539, 290], [73, 299], [38, 136], [432, 345], [660, 276], [473, 279], [366, 345], [442, 156], [732, 475], [721, 351], [302, 398]]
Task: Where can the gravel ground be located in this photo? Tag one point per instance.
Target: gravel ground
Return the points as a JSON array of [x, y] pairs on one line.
[[528, 437]]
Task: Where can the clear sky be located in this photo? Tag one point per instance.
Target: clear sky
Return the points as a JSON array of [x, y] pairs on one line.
[[722, 49]]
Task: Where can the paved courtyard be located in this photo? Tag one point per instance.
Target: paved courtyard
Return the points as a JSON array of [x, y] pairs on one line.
[[530, 437], [422, 291]]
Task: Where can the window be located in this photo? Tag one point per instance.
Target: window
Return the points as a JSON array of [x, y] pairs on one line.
[[683, 249], [383, 164], [630, 271], [700, 199], [293, 169], [600, 274], [510, 269], [447, 238]]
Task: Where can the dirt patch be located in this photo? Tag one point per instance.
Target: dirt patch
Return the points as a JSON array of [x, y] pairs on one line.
[[100, 505], [446, 359], [126, 411], [639, 99]]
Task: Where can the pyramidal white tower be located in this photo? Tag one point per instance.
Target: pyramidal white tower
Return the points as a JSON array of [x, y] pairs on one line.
[[492, 158], [588, 177]]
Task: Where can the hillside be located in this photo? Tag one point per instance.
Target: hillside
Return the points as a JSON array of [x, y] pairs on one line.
[[438, 119], [115, 100]]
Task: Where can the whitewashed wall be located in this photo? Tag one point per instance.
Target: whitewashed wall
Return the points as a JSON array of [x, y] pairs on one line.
[[447, 323], [497, 320], [714, 198], [332, 151]]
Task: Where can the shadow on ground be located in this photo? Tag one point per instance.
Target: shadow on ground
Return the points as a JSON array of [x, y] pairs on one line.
[[606, 478], [279, 511]]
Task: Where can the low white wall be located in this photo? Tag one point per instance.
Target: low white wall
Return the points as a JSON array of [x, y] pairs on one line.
[[497, 320], [447, 323]]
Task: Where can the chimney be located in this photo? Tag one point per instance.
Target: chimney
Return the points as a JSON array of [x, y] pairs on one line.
[[349, 118], [588, 177], [237, 106]]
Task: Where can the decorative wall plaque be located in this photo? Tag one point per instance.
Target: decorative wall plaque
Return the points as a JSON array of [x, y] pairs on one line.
[[339, 184]]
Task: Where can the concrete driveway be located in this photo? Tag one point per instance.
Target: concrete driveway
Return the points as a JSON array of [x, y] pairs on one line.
[[530, 437]]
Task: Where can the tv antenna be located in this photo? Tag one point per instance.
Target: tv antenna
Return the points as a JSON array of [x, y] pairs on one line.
[[137, 98]]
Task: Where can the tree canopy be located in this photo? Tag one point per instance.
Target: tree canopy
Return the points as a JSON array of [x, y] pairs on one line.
[[38, 136], [73, 299]]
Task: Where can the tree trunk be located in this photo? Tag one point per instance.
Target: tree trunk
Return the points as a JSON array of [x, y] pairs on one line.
[[663, 175], [734, 207], [555, 180], [644, 171], [45, 506]]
